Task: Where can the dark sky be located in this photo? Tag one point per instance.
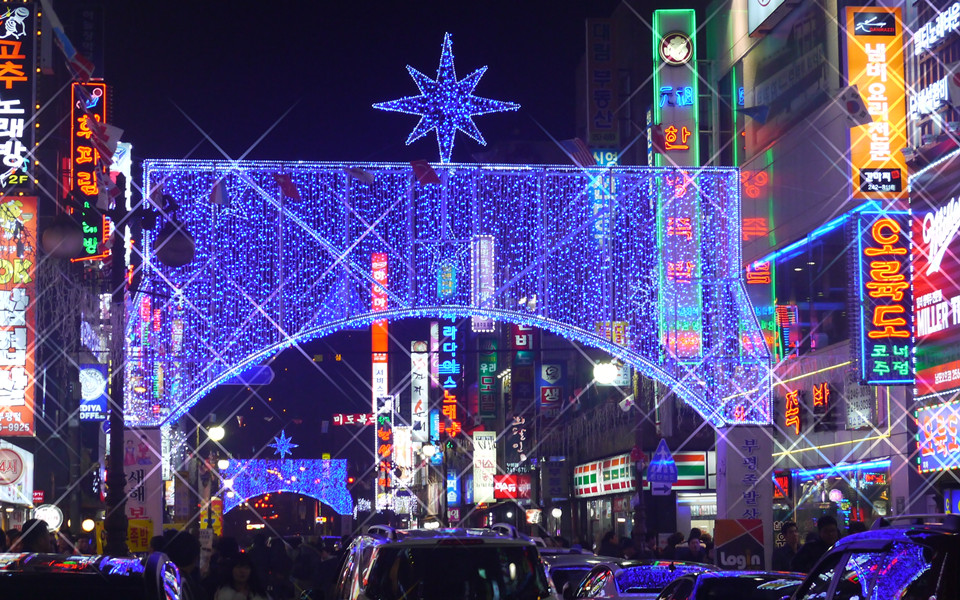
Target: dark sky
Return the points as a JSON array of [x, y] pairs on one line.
[[235, 67]]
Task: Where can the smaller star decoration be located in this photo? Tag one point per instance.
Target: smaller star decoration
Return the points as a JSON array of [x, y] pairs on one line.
[[283, 445], [445, 104]]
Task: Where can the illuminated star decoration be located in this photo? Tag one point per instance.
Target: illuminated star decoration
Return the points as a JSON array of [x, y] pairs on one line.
[[283, 444], [445, 104]]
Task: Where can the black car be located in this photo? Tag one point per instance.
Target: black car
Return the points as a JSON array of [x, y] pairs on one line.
[[55, 576], [913, 557], [733, 585]]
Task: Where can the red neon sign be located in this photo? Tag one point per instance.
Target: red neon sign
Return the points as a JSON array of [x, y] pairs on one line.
[[821, 395], [792, 413], [676, 139]]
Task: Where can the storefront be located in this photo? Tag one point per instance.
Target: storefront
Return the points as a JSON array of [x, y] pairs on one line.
[[16, 485], [851, 492], [606, 492]]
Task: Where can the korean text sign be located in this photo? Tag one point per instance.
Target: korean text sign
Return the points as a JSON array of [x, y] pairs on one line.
[[88, 101], [18, 315], [937, 438], [17, 85], [875, 66]]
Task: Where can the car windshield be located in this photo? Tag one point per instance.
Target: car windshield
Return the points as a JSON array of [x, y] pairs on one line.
[[746, 588], [77, 586], [574, 575], [454, 572]]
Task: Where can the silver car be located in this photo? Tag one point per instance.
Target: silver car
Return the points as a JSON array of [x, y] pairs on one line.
[[636, 579]]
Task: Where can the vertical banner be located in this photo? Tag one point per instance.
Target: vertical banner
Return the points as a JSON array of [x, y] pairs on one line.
[[484, 465], [383, 412], [482, 283], [453, 488], [434, 354], [379, 383], [875, 66], [18, 318], [602, 123], [676, 105], [886, 298], [142, 458], [744, 468], [487, 391], [88, 101], [522, 379], [739, 544], [451, 377], [93, 392], [419, 392], [17, 99]]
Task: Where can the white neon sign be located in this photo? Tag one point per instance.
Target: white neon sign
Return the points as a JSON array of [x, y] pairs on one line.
[[933, 31]]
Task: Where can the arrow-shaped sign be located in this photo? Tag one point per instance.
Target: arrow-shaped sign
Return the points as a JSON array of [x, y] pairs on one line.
[[661, 489]]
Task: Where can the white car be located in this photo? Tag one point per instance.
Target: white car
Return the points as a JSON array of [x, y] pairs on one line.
[[442, 564]]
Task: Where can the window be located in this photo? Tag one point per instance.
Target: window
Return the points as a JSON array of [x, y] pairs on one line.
[[818, 583]]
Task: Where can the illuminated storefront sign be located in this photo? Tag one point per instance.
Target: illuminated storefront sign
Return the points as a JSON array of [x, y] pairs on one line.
[[936, 277], [929, 99], [515, 486], [482, 284], [487, 391], [379, 383], [484, 465], [675, 83], [602, 125], [450, 371], [16, 474], [886, 337], [617, 332], [384, 451], [419, 392], [934, 31], [875, 66], [680, 280], [354, 419], [551, 380], [88, 101], [18, 257], [617, 474], [937, 438], [792, 417], [17, 113]]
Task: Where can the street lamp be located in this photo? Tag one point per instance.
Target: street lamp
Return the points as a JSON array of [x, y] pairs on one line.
[[605, 373], [216, 433]]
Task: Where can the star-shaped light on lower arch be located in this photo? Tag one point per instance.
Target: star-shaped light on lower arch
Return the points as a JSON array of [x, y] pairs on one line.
[[445, 104], [283, 445]]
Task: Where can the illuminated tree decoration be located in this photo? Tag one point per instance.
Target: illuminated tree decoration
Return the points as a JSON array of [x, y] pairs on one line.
[[283, 445], [445, 104], [325, 480]]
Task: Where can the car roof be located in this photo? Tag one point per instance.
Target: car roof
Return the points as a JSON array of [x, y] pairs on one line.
[[447, 536], [768, 574], [579, 560], [58, 563]]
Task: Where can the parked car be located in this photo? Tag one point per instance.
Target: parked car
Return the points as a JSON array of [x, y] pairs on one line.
[[733, 585], [640, 579], [567, 568], [441, 564], [912, 557], [26, 575]]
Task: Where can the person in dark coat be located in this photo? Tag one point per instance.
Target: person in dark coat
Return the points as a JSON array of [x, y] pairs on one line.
[[693, 551], [669, 551], [807, 557], [783, 556], [609, 545]]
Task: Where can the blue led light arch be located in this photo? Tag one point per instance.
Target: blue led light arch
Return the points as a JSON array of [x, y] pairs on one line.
[[661, 252], [324, 480]]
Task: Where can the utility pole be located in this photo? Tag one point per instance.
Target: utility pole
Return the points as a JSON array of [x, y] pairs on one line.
[[115, 523]]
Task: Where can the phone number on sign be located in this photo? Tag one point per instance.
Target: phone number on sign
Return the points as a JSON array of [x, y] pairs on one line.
[[14, 427]]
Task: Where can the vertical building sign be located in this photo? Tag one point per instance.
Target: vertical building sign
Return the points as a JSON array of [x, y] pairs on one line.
[[450, 372], [87, 101], [484, 465], [141, 466], [383, 412], [419, 392], [18, 318], [17, 93], [676, 104], [875, 66], [482, 284], [551, 380], [379, 384], [522, 374], [487, 391], [602, 130], [678, 233], [886, 336]]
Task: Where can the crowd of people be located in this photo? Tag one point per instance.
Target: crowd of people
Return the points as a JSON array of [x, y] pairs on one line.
[[699, 546]]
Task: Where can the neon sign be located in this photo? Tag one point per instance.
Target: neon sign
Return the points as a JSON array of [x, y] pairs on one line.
[[936, 29], [937, 437], [675, 85], [17, 99], [384, 450], [450, 371], [676, 139], [18, 317], [791, 415], [87, 172], [886, 338]]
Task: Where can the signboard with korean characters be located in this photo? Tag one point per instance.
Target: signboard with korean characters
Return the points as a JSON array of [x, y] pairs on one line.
[[744, 465]]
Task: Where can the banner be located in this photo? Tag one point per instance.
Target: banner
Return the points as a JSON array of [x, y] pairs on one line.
[[484, 465], [419, 391], [18, 319], [739, 544], [142, 457]]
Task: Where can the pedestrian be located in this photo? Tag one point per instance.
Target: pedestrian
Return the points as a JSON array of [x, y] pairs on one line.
[[693, 551], [183, 548], [609, 545], [327, 571], [243, 583], [34, 537], [669, 551], [12, 535], [260, 555], [827, 535], [783, 556], [856, 527]]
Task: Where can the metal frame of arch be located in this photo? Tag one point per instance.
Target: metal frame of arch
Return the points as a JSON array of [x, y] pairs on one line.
[[656, 248]]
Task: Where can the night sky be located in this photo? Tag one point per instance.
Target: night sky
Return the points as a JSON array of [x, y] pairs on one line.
[[309, 72], [236, 67]]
